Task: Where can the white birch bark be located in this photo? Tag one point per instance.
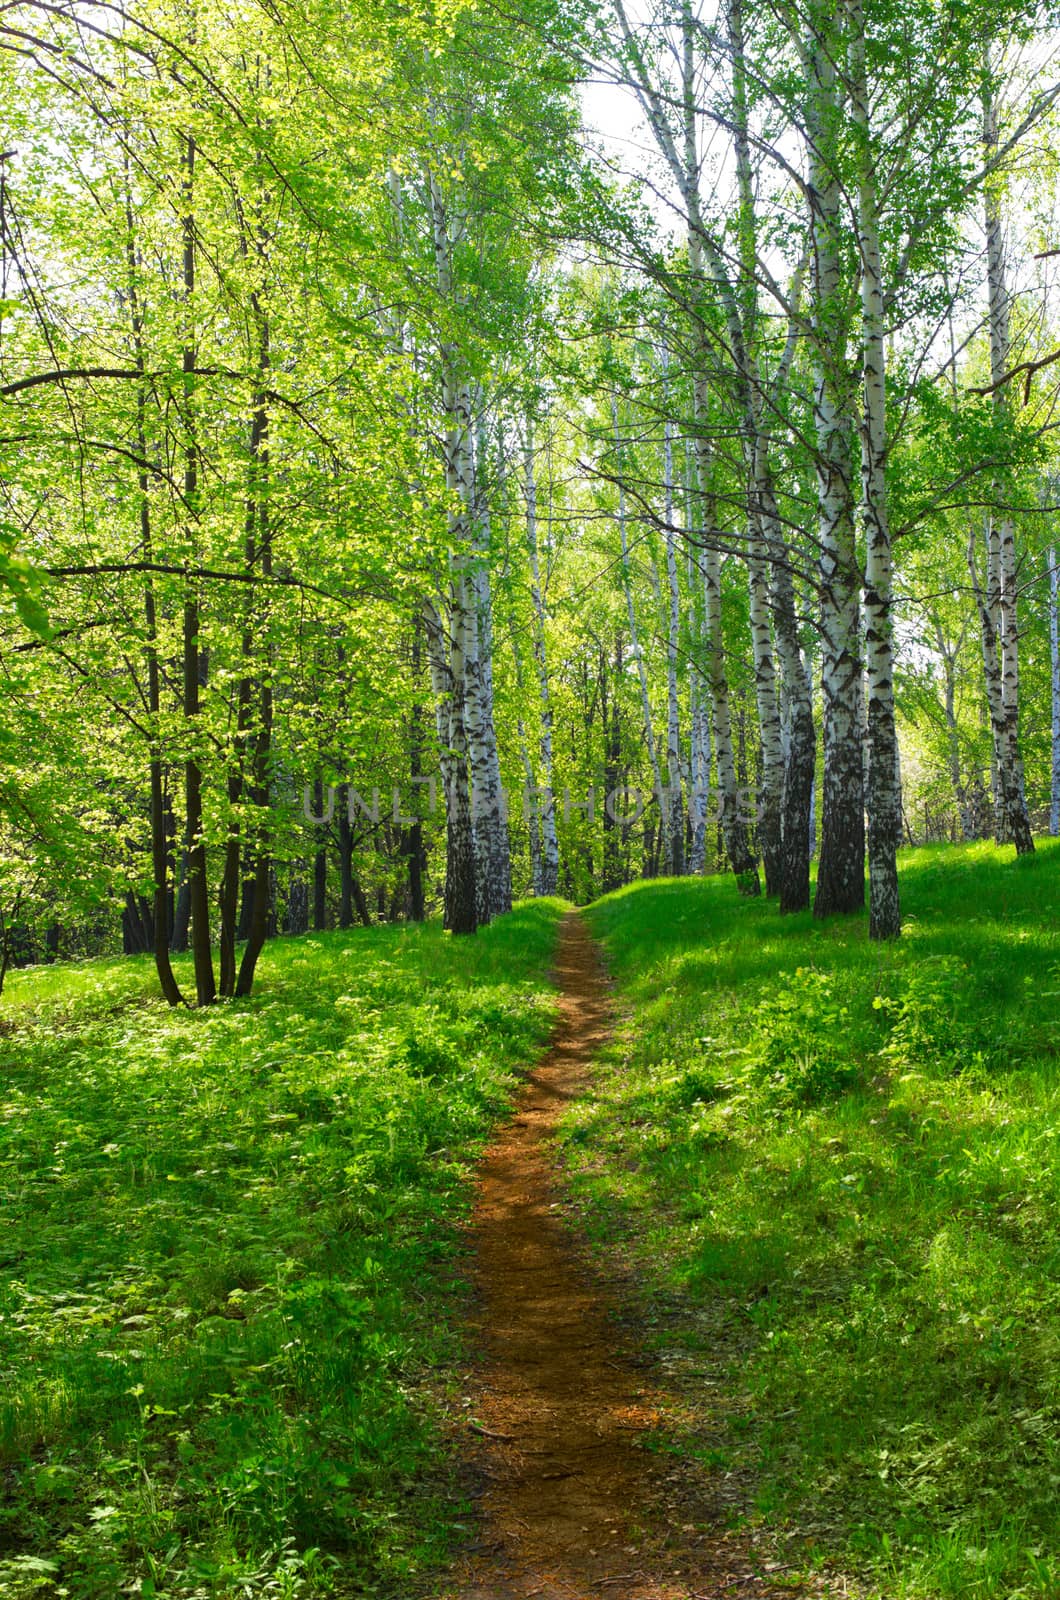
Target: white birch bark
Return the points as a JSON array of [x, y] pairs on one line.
[[492, 852], [460, 875], [673, 811], [1002, 566], [769, 731], [730, 813], [799, 759], [681, 153], [1054, 661], [686, 170], [699, 702], [549, 842], [741, 312], [948, 655], [841, 870], [529, 780], [883, 788], [631, 614], [799, 738], [529, 777]]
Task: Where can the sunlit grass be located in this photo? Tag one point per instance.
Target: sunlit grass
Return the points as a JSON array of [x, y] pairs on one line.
[[224, 1248], [840, 1162]]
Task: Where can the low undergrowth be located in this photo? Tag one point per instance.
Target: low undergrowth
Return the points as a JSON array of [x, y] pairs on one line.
[[834, 1168], [224, 1248]]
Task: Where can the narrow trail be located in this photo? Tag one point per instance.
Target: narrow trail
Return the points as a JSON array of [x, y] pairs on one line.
[[570, 1503]]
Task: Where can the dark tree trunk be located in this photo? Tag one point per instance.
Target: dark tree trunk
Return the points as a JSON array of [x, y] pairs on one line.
[[261, 882], [414, 849], [346, 897], [262, 875], [246, 902], [198, 887], [297, 920], [320, 863], [361, 902], [259, 538], [417, 860], [460, 901], [136, 938], [178, 942]]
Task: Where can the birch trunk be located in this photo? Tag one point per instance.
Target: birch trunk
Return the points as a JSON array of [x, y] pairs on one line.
[[680, 150], [986, 592], [741, 308], [1002, 566], [798, 735], [883, 792], [533, 821], [492, 854], [769, 730], [631, 614], [800, 758], [948, 656], [673, 811], [731, 818], [699, 713], [841, 870], [547, 816], [442, 653], [1054, 660], [611, 719], [460, 875]]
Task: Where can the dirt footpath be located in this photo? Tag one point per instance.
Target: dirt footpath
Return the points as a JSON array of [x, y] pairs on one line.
[[570, 1505]]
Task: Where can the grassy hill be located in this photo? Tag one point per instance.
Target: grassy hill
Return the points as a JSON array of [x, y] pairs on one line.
[[833, 1170], [224, 1260]]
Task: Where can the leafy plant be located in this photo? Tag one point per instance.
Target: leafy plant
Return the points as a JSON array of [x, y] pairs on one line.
[[800, 1054]]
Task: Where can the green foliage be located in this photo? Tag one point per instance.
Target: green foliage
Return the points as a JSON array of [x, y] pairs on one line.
[[801, 1051], [21, 583], [938, 1022], [835, 1169], [226, 1245]]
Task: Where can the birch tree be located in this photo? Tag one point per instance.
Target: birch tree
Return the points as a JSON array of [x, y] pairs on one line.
[[546, 816], [883, 791], [997, 596]]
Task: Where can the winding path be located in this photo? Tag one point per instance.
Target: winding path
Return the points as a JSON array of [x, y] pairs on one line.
[[570, 1505]]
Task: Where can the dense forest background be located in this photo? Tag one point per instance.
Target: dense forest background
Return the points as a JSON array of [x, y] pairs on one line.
[[380, 439]]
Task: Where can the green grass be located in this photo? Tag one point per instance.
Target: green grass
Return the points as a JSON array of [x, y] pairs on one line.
[[834, 1170], [227, 1246]]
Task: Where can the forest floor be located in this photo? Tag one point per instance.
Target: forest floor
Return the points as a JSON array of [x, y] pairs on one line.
[[573, 1503], [768, 1258]]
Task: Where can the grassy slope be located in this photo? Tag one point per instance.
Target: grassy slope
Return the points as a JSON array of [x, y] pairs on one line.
[[223, 1249], [840, 1164]]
